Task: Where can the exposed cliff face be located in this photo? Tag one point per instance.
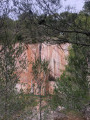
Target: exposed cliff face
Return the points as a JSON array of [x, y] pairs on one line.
[[56, 55]]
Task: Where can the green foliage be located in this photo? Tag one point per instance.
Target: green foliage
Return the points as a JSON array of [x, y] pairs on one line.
[[87, 7], [40, 77], [40, 64], [10, 63], [72, 89]]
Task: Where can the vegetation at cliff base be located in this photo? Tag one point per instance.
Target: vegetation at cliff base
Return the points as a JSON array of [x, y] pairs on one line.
[[72, 89]]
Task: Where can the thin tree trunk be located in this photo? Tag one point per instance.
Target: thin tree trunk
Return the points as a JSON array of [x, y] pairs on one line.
[[40, 103], [40, 48], [6, 78], [89, 71]]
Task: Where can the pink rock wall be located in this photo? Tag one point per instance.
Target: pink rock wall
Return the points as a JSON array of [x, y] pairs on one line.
[[56, 55]]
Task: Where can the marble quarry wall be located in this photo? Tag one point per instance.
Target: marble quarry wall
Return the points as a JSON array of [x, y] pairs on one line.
[[57, 57]]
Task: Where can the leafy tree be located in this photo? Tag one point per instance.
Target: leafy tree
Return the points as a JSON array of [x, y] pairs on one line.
[[72, 89], [52, 24], [87, 7], [10, 63], [33, 10], [40, 81]]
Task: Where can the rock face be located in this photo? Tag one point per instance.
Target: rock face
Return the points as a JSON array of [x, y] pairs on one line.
[[56, 55]]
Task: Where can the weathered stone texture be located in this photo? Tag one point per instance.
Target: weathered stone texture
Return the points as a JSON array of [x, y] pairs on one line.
[[56, 55]]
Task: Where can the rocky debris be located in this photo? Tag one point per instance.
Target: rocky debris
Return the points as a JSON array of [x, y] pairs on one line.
[[47, 114], [60, 116], [57, 114], [59, 109], [86, 111]]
